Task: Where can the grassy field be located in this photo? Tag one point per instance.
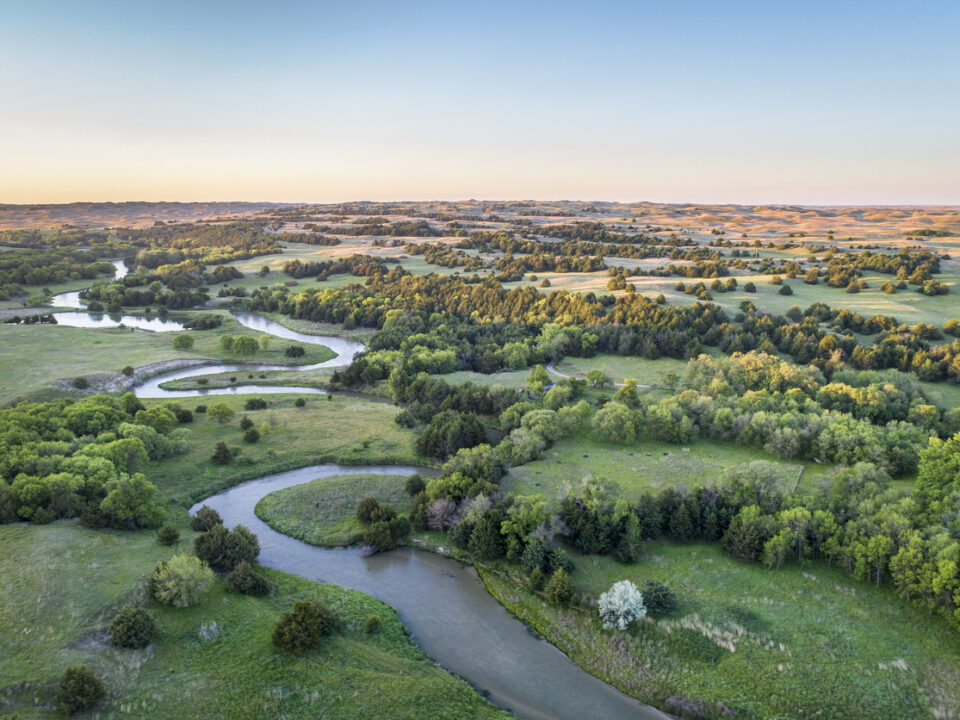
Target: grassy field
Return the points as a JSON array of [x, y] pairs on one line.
[[323, 512], [34, 357], [63, 583], [647, 466], [618, 368], [330, 428], [799, 642]]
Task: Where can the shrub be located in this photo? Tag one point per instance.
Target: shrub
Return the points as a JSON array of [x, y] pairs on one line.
[[374, 624], [245, 423], [80, 383], [128, 370], [181, 581], [302, 629], [221, 412], [221, 454], [294, 351], [405, 418], [251, 436], [255, 404], [415, 485], [168, 534], [200, 409], [535, 580], [245, 580], [182, 342], [560, 588], [224, 549], [205, 519], [658, 598], [366, 507], [79, 690], [299, 402], [621, 605], [785, 290], [132, 627], [749, 287]]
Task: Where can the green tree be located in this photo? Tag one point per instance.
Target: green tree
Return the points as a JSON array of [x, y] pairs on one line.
[[221, 412], [129, 502], [615, 422], [560, 589], [79, 690], [245, 580], [302, 629], [222, 454], [168, 534], [224, 549], [132, 627], [245, 345], [182, 342], [226, 343], [485, 542], [205, 519], [181, 581]]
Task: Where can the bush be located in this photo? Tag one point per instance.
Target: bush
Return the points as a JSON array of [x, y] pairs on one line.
[[535, 580], [658, 598], [128, 370], [245, 580], [245, 423], [405, 418], [79, 690], [80, 383], [415, 485], [785, 290], [299, 402], [294, 351], [749, 287], [222, 454], [132, 627], [221, 412], [560, 588], [168, 535], [205, 519], [224, 549], [200, 409], [181, 581], [366, 507], [251, 436], [302, 629], [255, 404], [182, 342], [379, 537], [374, 624]]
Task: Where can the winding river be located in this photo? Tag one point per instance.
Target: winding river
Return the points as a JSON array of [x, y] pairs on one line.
[[443, 603], [104, 320], [446, 607]]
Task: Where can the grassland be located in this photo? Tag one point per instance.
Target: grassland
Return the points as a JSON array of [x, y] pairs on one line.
[[323, 512], [618, 368], [330, 428], [644, 466], [63, 583], [806, 642]]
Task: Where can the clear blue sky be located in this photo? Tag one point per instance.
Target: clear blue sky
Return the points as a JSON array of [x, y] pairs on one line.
[[752, 102]]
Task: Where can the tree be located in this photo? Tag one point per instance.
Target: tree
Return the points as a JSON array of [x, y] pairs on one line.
[[79, 690], [597, 379], [226, 343], [658, 598], [615, 422], [264, 342], [536, 380], [415, 485], [302, 629], [221, 412], [182, 342], [631, 543], [168, 534], [251, 436], [621, 605], [205, 519], [366, 508], [485, 542], [560, 589], [132, 627], [294, 351], [129, 502], [181, 581], [681, 524], [245, 345], [245, 580], [224, 549]]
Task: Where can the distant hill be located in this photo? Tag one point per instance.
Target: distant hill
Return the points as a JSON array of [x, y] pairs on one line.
[[125, 214]]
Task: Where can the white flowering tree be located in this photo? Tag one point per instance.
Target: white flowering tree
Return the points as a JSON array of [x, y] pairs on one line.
[[621, 605]]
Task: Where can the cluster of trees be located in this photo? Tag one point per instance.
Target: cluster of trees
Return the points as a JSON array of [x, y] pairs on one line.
[[403, 228], [383, 527], [48, 266], [359, 265], [141, 290], [446, 256], [80, 458]]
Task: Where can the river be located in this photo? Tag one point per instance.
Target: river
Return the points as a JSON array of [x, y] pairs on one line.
[[446, 607]]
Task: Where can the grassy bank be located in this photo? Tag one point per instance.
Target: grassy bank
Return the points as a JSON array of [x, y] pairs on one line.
[[323, 512], [800, 642], [63, 583], [329, 428]]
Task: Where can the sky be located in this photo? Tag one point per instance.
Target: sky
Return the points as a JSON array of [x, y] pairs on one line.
[[680, 101]]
